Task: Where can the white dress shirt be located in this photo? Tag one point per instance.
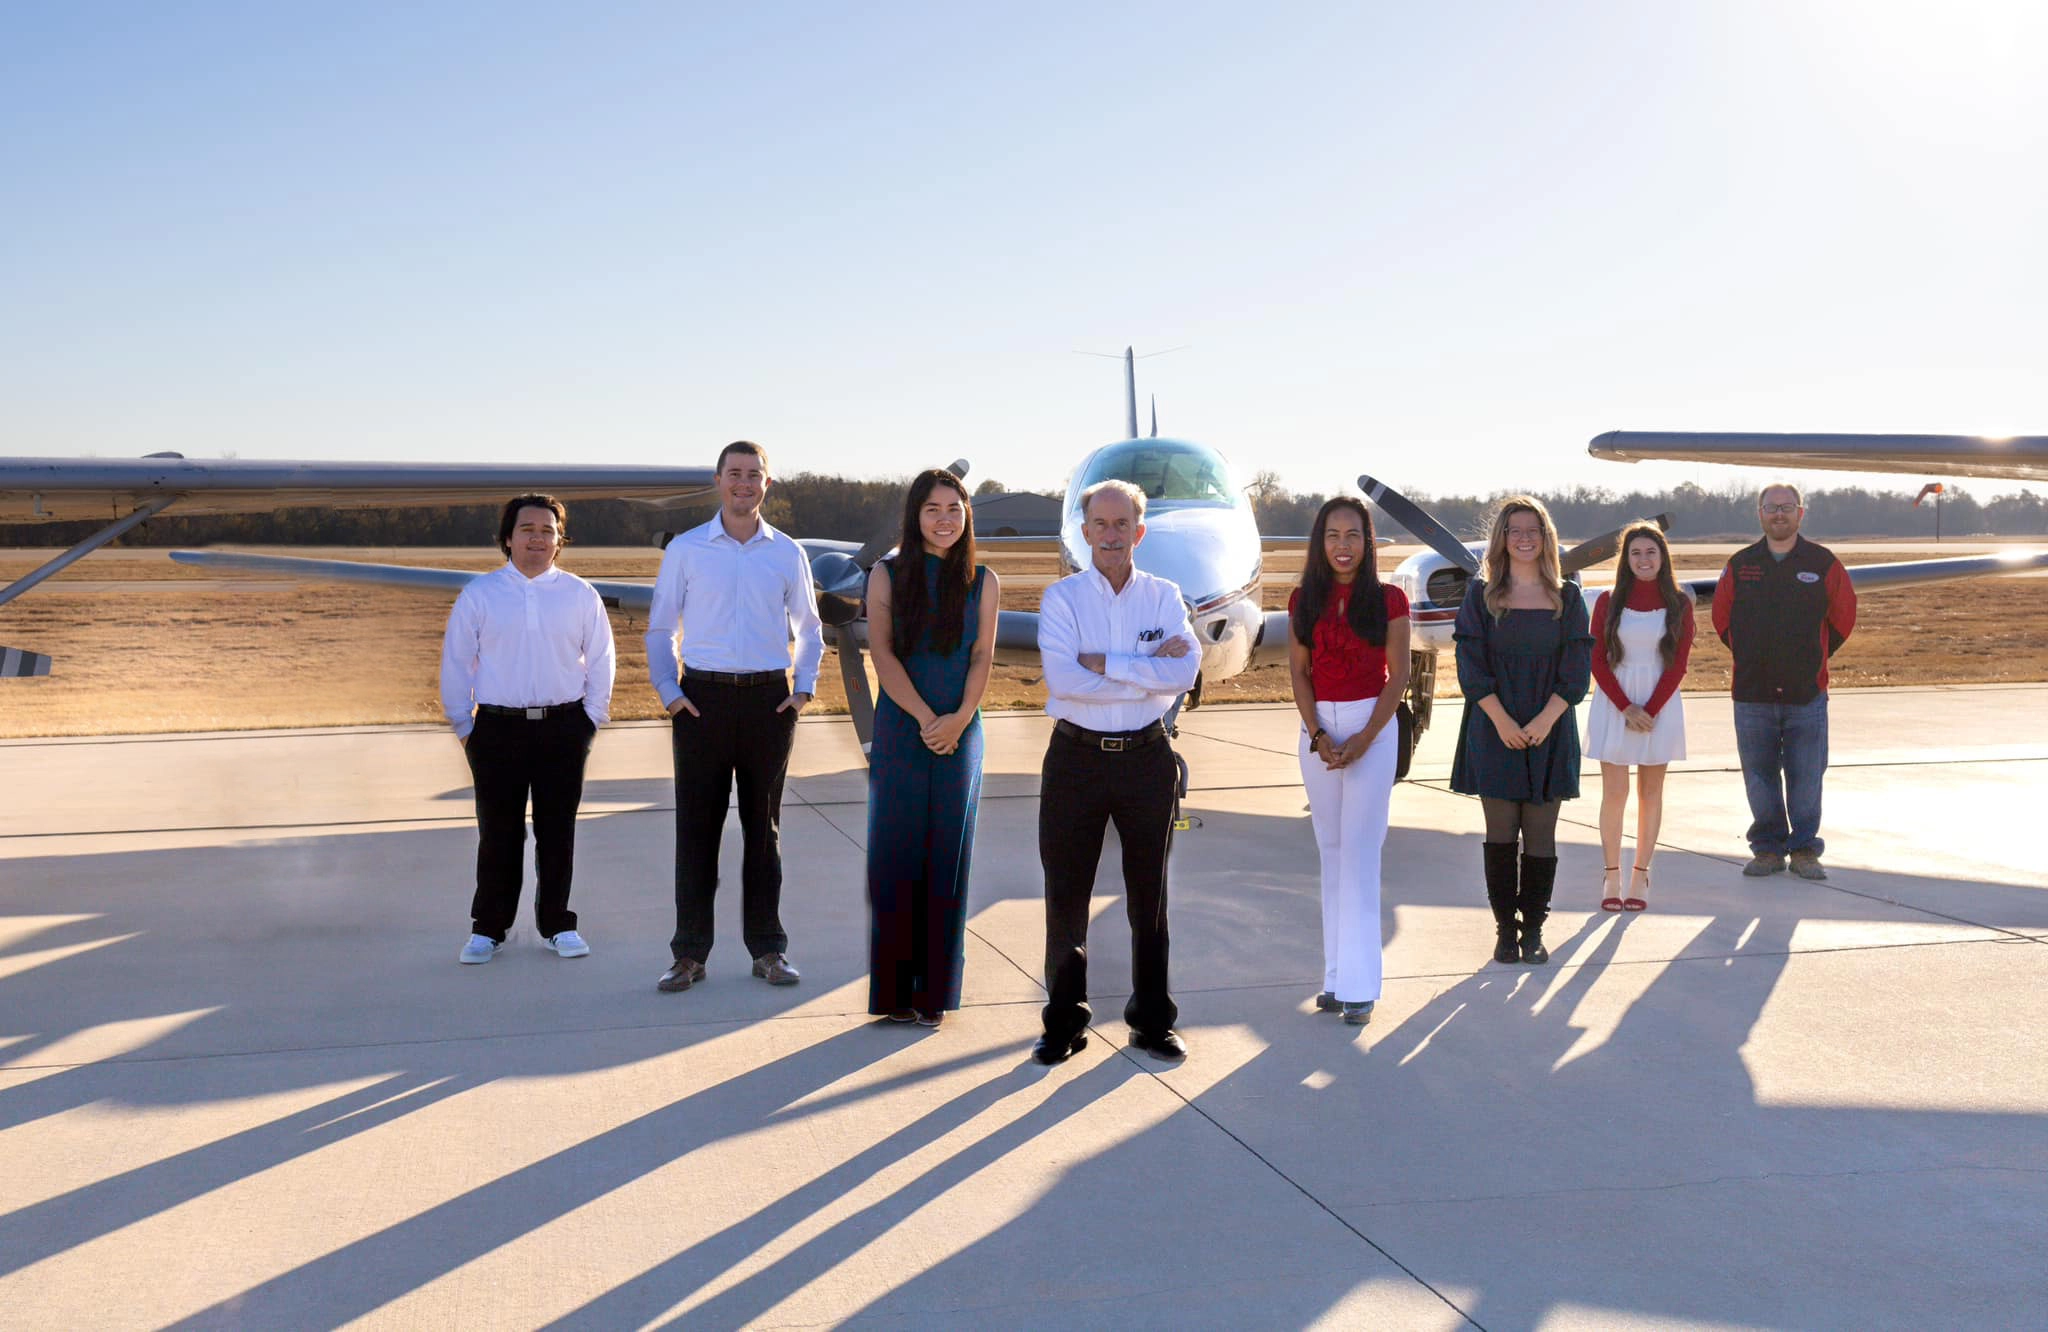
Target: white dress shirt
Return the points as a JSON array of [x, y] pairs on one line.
[[520, 642], [734, 606], [1082, 613]]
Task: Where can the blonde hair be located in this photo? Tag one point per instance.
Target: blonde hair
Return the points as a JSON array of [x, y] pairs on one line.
[[1495, 566]]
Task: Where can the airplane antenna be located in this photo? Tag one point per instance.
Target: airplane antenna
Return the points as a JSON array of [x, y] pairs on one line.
[[1130, 395], [1155, 416], [1130, 360]]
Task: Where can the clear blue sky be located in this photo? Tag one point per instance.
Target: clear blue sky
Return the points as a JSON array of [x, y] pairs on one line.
[[1445, 243]]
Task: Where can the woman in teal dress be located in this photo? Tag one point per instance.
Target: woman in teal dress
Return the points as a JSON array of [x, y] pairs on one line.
[[932, 631]]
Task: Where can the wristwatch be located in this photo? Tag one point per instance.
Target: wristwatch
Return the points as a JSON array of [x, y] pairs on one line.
[[1318, 734]]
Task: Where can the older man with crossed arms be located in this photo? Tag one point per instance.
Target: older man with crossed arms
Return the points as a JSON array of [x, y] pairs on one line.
[[1117, 651]]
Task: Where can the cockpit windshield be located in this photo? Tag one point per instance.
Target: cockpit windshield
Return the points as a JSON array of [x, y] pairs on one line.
[[1168, 471]]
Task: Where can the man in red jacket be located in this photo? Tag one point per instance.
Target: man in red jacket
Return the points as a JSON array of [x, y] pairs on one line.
[[1783, 607]]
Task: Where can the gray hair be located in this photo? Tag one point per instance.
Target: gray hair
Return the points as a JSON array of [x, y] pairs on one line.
[[1797, 498], [1124, 488]]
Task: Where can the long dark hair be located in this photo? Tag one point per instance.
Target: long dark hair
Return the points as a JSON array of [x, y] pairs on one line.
[[908, 612], [1367, 613], [1677, 600]]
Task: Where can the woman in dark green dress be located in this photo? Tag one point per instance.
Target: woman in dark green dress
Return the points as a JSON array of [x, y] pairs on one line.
[[1525, 660], [932, 631]]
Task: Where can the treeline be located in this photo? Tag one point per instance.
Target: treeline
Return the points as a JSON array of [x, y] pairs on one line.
[[810, 504], [1697, 513]]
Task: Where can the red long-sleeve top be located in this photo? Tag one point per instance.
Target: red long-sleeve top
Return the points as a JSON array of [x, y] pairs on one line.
[[1642, 597]]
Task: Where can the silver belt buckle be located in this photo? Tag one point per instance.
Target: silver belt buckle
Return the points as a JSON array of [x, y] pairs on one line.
[[535, 714], [1113, 744]]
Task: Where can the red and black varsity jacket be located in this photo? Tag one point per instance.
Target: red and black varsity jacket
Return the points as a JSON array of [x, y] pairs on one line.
[[1783, 619]]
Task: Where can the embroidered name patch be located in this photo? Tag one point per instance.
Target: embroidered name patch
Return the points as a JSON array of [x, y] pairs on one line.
[[1808, 576]]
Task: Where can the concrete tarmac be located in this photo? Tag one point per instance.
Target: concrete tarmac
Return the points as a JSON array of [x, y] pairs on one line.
[[243, 1082]]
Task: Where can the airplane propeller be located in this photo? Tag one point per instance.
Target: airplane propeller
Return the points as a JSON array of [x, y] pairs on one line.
[[1420, 524], [842, 585], [1438, 538], [1600, 549]]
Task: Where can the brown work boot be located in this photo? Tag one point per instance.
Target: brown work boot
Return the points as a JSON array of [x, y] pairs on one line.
[[1764, 864], [1806, 864], [685, 973], [775, 969]]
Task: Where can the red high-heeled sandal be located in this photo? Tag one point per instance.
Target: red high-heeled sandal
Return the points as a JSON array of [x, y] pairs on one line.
[[1611, 903]]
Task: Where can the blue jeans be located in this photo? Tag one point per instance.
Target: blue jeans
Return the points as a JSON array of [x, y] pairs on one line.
[[1784, 749]]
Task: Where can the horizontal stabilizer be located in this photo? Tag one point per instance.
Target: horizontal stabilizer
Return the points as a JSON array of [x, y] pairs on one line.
[[16, 664]]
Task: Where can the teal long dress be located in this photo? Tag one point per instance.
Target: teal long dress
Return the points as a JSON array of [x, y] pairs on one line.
[[921, 809]]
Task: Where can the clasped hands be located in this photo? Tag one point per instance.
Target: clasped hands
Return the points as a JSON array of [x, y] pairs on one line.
[[941, 734], [1518, 735], [1337, 755]]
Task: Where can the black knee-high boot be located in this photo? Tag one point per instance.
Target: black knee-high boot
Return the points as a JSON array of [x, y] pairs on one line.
[[1538, 874], [1500, 895]]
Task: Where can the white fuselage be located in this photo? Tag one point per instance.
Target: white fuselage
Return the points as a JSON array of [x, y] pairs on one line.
[[1200, 535]]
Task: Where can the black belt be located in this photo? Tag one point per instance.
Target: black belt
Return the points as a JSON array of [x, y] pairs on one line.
[[740, 679], [531, 714], [1111, 741]]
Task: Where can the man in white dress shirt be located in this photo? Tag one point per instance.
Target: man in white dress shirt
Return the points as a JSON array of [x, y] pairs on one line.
[[526, 680], [1117, 651], [734, 592]]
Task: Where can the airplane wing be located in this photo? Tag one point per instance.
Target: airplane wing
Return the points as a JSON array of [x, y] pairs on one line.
[[1016, 631], [1910, 573], [56, 489], [619, 596], [2018, 458]]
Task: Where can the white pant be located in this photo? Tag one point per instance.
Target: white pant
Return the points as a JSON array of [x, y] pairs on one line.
[[1349, 810]]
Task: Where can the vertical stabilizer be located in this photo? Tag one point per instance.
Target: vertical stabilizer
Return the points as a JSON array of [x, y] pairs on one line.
[[1130, 394]]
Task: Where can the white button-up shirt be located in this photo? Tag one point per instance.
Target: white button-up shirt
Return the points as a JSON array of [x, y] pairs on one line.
[[734, 606], [520, 642], [1082, 613]]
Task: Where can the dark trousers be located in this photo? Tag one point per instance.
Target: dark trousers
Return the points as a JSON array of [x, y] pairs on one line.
[[739, 734], [510, 759], [1082, 789], [1784, 752]]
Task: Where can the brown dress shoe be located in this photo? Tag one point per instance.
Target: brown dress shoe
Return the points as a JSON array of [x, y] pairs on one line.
[[775, 969], [685, 973]]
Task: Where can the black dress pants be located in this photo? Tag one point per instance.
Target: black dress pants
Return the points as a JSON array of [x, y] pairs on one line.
[[738, 735], [1082, 789], [510, 759]]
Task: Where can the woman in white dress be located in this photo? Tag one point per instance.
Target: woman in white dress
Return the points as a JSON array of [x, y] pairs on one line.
[[1642, 640]]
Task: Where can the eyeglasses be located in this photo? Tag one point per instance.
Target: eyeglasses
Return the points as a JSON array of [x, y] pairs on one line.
[[1775, 509]]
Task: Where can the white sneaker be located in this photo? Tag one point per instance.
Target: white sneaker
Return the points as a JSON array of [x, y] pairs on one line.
[[569, 944], [480, 948]]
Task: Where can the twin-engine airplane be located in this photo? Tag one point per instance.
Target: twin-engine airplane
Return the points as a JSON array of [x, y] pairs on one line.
[[1202, 535]]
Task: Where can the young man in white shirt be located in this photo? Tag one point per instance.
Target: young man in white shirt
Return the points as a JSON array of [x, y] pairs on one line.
[[1117, 651], [733, 592], [526, 680]]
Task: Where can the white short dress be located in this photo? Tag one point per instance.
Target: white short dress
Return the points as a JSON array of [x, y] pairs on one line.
[[1608, 738]]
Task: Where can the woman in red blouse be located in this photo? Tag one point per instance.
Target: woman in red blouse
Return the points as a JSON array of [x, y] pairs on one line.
[[1348, 657], [1642, 638]]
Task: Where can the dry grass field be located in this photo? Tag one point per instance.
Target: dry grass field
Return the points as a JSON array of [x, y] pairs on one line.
[[144, 645]]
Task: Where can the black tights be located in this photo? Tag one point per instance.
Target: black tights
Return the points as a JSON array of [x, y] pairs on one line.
[[1535, 826]]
